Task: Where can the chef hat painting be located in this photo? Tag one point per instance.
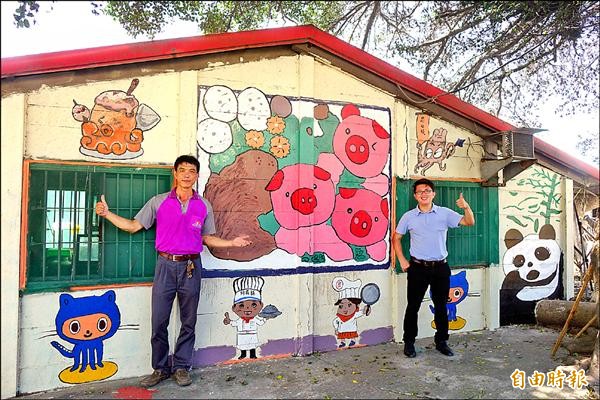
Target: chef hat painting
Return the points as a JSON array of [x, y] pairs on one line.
[[248, 288], [346, 288]]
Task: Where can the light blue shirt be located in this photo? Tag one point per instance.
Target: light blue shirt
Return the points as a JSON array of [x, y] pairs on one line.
[[428, 231]]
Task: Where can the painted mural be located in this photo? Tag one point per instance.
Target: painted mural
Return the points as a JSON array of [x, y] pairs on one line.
[[351, 294], [533, 262], [533, 266], [432, 147], [307, 180], [86, 322], [542, 205], [249, 307], [114, 128], [459, 290]]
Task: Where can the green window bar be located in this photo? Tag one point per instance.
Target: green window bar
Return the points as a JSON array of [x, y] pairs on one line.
[[69, 245], [467, 246]]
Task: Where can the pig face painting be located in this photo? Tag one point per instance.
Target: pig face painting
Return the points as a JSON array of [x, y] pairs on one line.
[[361, 218], [302, 195], [360, 143], [303, 198]]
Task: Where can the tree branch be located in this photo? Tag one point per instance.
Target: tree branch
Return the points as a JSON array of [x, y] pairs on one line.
[[372, 17]]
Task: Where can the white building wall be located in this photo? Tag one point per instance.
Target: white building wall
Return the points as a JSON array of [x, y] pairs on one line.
[[13, 130]]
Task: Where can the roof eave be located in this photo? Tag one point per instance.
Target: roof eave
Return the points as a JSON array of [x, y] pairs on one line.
[[306, 34]]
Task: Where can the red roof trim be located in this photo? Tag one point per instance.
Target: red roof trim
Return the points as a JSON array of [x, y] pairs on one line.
[[566, 159], [149, 51], [190, 46], [207, 44]]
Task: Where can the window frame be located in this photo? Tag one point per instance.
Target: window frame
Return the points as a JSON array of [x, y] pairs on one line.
[[32, 286], [486, 217]]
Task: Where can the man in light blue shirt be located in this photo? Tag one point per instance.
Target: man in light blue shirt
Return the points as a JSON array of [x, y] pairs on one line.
[[428, 226]]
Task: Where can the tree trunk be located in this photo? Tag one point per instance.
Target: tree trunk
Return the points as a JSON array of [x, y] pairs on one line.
[[593, 371], [554, 313]]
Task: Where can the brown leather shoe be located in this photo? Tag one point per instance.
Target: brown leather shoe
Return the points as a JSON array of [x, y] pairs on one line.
[[154, 379], [182, 377]]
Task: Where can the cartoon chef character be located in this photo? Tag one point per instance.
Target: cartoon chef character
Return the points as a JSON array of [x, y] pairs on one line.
[[247, 303], [348, 311]]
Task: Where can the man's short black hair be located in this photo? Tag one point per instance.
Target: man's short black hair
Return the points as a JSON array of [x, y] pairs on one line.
[[187, 159], [423, 181]]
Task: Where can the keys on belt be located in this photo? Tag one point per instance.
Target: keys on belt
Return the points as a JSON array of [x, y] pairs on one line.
[[182, 257], [190, 269], [178, 257]]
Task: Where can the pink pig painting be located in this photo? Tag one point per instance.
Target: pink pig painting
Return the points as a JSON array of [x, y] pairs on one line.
[[361, 218], [303, 198], [362, 146]]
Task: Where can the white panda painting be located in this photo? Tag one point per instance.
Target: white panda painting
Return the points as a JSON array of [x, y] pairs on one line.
[[533, 269]]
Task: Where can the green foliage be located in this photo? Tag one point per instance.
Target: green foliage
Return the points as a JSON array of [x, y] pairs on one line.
[[329, 124], [546, 203], [359, 252], [509, 57], [316, 258], [321, 144], [150, 17], [349, 180], [588, 146], [25, 13], [268, 223]]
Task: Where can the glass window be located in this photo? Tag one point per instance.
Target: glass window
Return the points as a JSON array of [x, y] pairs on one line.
[[68, 244]]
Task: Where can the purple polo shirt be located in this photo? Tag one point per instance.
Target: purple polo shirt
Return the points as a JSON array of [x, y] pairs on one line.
[[179, 227]]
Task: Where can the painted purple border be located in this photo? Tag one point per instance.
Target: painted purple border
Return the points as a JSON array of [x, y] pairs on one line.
[[303, 346]]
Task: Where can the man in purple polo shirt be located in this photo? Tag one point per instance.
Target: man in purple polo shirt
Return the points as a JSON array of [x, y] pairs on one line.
[[428, 225], [184, 221]]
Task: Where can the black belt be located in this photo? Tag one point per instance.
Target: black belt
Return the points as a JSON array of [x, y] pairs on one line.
[[427, 263], [178, 257]]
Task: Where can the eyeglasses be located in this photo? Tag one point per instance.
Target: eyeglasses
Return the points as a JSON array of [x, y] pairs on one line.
[[427, 191]]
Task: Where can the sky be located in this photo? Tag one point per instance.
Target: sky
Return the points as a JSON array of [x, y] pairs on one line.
[[71, 25]]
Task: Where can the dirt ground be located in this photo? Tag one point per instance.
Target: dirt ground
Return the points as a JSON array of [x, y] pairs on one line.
[[481, 369]]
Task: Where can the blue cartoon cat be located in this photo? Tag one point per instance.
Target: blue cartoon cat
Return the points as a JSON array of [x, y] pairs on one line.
[[459, 289], [86, 322]]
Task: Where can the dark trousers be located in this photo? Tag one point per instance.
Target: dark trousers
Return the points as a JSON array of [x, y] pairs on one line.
[[170, 279], [419, 278]]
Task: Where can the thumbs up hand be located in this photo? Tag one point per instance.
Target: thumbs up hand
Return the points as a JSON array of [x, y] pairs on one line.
[[102, 207], [226, 320], [461, 202]]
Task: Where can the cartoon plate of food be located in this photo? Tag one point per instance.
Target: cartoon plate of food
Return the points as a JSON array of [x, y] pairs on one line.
[[114, 128]]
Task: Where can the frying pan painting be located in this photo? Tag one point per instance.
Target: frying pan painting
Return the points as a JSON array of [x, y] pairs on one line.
[[370, 294]]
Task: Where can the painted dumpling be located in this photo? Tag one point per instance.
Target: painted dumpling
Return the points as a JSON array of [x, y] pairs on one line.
[[220, 103], [214, 136], [253, 109]]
